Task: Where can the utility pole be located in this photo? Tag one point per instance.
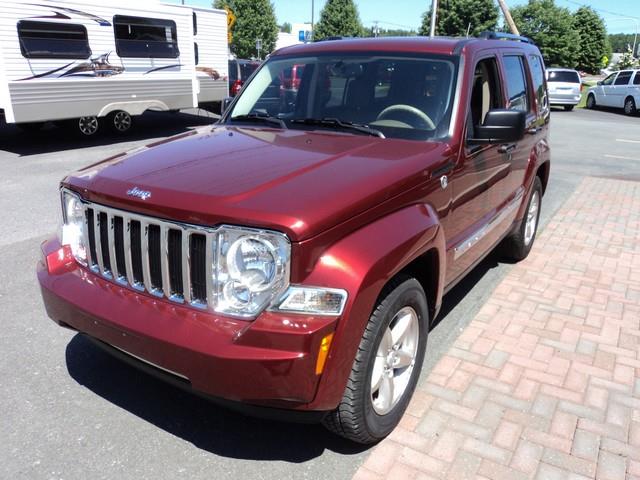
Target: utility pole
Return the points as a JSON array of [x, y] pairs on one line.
[[434, 14], [508, 18], [375, 28], [312, 16]]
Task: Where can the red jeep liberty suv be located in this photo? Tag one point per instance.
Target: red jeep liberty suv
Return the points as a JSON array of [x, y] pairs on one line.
[[292, 256]]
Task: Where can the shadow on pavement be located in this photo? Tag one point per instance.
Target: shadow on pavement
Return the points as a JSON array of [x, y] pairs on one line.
[[195, 419], [52, 138]]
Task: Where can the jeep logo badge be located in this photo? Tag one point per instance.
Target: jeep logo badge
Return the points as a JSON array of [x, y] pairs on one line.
[[141, 194]]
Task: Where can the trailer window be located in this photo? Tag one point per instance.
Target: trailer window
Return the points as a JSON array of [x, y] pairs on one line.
[[53, 40], [138, 37]]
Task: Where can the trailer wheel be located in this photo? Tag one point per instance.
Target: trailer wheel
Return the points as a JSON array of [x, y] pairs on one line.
[[88, 126], [120, 121]]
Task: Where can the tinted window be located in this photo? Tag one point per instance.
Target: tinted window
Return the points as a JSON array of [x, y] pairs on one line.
[[246, 69], [53, 40], [195, 52], [564, 76], [233, 71], [402, 97], [537, 72], [485, 93], [609, 79], [636, 81], [516, 83], [623, 78], [139, 37]]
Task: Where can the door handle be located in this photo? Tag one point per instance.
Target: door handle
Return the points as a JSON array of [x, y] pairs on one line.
[[507, 148]]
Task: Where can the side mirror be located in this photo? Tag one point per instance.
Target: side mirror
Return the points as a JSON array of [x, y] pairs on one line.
[[501, 126], [225, 104], [599, 82]]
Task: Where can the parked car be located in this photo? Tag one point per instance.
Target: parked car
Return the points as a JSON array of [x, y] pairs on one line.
[[239, 72], [292, 258], [618, 90], [564, 87]]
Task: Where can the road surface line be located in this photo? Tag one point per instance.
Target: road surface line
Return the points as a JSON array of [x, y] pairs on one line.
[[627, 141], [620, 157]]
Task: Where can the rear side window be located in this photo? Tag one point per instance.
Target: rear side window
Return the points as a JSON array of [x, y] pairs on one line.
[[516, 82], [53, 40], [636, 81], [141, 37], [564, 76], [246, 69], [233, 71], [623, 78], [537, 72]]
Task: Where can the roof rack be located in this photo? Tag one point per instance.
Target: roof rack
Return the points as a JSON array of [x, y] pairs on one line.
[[330, 39], [504, 36]]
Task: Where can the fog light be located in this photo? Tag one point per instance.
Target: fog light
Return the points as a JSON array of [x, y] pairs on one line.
[[60, 261]]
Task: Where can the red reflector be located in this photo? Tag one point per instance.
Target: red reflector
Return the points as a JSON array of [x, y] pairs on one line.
[[60, 261]]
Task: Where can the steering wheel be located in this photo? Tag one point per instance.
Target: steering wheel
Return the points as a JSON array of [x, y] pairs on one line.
[[419, 114]]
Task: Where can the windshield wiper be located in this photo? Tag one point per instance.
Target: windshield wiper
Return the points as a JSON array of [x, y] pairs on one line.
[[337, 123], [264, 118]]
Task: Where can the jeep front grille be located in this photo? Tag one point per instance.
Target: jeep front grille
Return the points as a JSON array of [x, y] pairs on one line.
[[166, 259]]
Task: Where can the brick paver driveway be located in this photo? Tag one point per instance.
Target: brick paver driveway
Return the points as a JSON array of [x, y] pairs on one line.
[[545, 381]]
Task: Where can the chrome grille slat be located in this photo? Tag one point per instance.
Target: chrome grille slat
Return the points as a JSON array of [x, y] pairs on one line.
[[98, 240], [128, 277], [164, 260], [85, 236], [186, 266]]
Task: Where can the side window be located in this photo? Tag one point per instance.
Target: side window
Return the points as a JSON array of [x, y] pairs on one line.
[[609, 79], [623, 78], [53, 40], [636, 81], [195, 51], [516, 82], [141, 37], [195, 24], [485, 93], [537, 72]]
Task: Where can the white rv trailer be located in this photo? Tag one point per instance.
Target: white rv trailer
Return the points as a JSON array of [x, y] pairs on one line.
[[88, 60]]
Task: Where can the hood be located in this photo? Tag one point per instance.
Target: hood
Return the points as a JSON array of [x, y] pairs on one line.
[[294, 181]]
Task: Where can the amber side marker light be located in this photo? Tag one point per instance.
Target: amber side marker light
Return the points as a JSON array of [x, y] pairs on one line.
[[323, 353]]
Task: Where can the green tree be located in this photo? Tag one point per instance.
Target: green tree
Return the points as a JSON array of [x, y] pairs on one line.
[[594, 43], [621, 41], [627, 61], [552, 29], [339, 18], [285, 27], [255, 20], [456, 17]]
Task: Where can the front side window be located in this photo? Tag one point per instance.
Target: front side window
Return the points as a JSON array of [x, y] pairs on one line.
[[141, 37], [402, 97], [623, 78], [53, 40], [609, 79], [516, 82], [485, 93]]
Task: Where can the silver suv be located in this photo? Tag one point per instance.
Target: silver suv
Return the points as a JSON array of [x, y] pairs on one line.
[[564, 87]]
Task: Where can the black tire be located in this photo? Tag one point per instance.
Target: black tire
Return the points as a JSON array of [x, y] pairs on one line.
[[591, 101], [630, 106], [516, 247], [355, 417], [568, 108], [30, 127], [119, 122], [87, 126]]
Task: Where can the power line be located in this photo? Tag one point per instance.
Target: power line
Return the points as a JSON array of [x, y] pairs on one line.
[[602, 10]]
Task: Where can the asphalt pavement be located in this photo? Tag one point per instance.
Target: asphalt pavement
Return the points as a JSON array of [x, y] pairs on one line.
[[73, 412]]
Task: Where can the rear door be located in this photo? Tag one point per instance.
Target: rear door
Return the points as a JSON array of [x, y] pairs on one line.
[[620, 89]]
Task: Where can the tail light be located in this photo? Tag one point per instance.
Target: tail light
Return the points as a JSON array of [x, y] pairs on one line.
[[235, 88]]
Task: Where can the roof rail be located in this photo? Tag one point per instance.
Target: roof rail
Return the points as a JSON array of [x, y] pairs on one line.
[[330, 39], [505, 36]]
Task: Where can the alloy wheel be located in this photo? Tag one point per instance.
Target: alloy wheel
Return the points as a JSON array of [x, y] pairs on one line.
[[88, 125], [122, 121], [532, 218]]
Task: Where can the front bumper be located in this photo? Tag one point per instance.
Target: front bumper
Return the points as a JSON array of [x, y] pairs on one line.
[[266, 362]]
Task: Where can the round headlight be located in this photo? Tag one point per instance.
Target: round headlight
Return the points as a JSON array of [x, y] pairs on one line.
[[252, 263]]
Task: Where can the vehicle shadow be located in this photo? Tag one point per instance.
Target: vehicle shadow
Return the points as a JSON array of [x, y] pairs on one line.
[[193, 418], [52, 138]]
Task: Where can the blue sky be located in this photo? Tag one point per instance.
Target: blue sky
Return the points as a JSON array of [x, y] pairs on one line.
[[408, 13]]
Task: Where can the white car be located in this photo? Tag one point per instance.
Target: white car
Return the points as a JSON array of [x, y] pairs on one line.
[[564, 87], [619, 90]]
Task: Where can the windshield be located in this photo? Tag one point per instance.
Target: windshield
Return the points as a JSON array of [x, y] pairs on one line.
[[566, 76], [401, 97]]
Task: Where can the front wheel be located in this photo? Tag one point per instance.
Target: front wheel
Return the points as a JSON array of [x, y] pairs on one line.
[[518, 245], [387, 365], [591, 101]]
